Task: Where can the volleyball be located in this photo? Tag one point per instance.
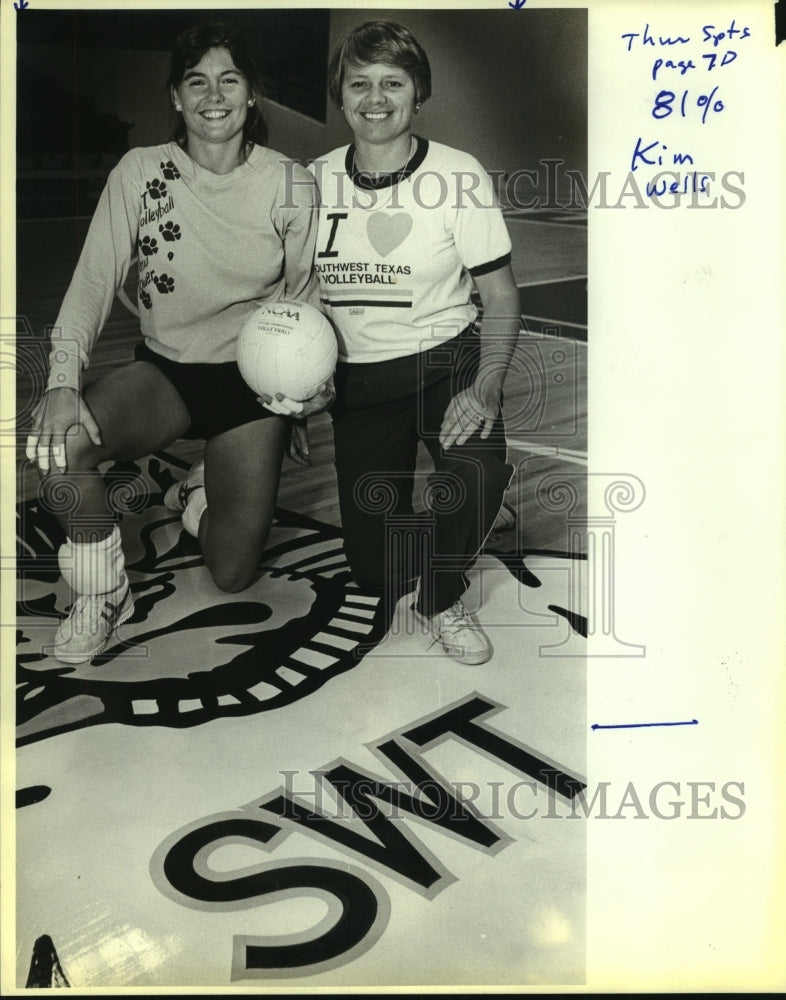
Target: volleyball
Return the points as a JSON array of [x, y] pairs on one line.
[[287, 347]]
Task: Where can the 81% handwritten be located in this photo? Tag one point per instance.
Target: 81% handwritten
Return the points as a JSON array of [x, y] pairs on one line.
[[664, 104]]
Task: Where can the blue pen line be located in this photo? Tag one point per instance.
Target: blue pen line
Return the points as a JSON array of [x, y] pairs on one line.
[[642, 725]]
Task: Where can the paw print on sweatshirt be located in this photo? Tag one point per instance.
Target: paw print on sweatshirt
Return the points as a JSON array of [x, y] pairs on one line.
[[148, 245], [164, 283], [169, 170], [156, 189], [170, 231], [145, 299]]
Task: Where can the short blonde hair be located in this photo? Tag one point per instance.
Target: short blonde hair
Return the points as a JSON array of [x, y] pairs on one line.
[[380, 42]]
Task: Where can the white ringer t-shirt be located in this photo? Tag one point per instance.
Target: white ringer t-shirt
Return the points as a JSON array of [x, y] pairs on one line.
[[394, 263]]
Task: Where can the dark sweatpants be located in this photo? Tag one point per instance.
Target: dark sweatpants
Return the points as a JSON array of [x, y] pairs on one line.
[[382, 410]]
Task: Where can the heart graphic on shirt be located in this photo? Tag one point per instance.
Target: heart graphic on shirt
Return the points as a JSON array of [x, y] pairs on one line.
[[386, 232]]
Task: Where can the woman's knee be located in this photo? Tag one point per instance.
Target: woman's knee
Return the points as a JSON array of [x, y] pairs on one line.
[[82, 454], [479, 475], [498, 474], [233, 576], [232, 557]]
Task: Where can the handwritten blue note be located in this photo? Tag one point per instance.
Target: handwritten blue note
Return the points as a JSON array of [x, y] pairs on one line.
[[690, 77], [642, 725]]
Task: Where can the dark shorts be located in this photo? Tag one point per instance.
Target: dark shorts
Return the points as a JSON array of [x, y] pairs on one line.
[[216, 396]]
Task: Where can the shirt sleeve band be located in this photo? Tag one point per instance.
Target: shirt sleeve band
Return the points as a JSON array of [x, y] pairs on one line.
[[492, 265]]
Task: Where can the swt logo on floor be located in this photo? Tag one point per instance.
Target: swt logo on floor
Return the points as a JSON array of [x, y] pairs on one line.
[[358, 905]]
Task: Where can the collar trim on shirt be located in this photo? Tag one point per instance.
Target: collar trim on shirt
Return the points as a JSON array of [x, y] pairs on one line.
[[371, 182]]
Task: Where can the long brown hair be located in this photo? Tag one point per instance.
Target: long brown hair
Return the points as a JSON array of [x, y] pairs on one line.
[[190, 47]]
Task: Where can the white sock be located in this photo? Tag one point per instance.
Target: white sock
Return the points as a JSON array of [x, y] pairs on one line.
[[195, 508], [92, 568]]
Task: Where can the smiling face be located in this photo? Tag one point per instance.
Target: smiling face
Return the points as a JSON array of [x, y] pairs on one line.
[[379, 101], [213, 97]]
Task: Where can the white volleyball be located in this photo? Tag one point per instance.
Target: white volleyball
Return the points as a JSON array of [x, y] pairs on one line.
[[287, 347]]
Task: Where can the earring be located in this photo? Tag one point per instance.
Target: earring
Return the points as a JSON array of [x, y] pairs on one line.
[[417, 108], [178, 108], [251, 102]]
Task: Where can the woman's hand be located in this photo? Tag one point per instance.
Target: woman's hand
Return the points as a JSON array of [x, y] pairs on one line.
[[59, 411], [307, 408], [468, 412], [297, 446]]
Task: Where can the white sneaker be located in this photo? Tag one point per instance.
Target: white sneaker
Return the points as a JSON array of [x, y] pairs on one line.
[[188, 498], [176, 497], [460, 635], [90, 624]]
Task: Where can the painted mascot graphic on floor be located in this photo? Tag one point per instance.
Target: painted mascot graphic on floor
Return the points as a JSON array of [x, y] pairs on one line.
[[192, 653]]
